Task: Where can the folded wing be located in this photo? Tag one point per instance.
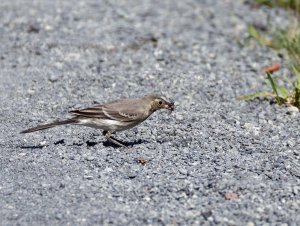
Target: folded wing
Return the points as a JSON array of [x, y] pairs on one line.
[[110, 111]]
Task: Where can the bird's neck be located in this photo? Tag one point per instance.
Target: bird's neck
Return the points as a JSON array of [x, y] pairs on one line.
[[152, 109]]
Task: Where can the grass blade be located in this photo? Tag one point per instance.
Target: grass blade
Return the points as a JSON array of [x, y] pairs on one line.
[[279, 99], [255, 95]]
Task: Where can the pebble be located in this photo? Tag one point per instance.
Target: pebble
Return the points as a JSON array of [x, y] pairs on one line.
[[90, 158], [250, 224], [43, 143], [88, 177], [183, 171], [292, 109]]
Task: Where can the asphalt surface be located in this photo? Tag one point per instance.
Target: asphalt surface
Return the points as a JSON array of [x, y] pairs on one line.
[[214, 160]]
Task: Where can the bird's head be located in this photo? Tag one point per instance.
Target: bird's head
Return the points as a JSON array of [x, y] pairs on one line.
[[159, 102]]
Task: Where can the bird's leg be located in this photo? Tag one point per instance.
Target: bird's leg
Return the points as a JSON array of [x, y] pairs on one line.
[[108, 136]]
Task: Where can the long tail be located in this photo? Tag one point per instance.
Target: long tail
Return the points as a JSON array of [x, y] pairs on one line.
[[50, 125]]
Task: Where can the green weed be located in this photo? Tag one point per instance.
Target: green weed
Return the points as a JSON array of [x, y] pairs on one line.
[[287, 4], [280, 93], [287, 42]]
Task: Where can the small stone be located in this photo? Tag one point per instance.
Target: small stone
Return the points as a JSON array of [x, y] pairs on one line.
[[54, 77], [292, 109], [248, 126], [90, 158], [231, 195], [88, 177], [250, 224], [211, 219], [295, 171], [294, 205], [290, 143], [33, 28], [179, 116], [159, 54], [31, 91], [260, 209], [131, 175], [147, 198], [183, 171], [48, 27], [206, 214], [58, 216], [251, 128], [296, 190], [14, 216], [43, 143]]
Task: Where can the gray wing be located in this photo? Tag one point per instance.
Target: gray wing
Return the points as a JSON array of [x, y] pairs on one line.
[[120, 111]]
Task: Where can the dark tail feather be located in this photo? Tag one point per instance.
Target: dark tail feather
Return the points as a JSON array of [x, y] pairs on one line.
[[50, 125]]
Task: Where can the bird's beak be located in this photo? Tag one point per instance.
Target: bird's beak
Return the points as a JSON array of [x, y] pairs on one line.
[[170, 106]]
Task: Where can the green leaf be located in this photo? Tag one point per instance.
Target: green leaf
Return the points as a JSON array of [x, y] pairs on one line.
[[254, 33], [295, 70], [283, 91], [261, 39], [275, 86], [255, 95], [297, 98], [269, 77], [297, 85]]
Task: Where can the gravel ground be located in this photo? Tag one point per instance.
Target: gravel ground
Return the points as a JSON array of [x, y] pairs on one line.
[[215, 160]]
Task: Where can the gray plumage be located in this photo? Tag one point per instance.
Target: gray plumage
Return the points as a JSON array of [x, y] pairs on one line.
[[114, 116]]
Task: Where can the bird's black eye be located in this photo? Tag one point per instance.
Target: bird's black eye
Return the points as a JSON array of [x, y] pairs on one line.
[[160, 102]]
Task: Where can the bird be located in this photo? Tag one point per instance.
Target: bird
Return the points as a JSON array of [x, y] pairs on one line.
[[114, 116]]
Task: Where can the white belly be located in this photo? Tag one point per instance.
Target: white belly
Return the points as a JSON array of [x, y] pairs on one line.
[[107, 124]]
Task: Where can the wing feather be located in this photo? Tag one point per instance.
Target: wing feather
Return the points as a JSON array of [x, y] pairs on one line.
[[110, 111]]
